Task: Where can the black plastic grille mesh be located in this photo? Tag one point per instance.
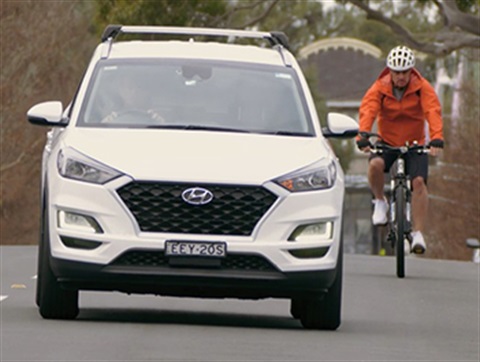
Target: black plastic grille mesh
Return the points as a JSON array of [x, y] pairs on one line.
[[159, 207], [144, 258]]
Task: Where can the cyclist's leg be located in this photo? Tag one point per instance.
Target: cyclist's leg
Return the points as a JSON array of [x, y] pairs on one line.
[[378, 165], [419, 203], [417, 168], [376, 178]]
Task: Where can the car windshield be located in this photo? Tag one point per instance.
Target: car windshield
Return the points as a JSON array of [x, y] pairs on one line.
[[199, 95]]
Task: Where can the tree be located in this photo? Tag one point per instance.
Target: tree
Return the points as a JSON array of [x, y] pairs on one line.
[[302, 20], [455, 25], [40, 65], [159, 12]]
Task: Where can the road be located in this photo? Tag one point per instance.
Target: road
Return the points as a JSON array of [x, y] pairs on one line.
[[432, 315]]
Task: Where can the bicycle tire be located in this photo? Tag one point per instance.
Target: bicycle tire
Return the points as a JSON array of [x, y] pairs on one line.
[[400, 230], [377, 238]]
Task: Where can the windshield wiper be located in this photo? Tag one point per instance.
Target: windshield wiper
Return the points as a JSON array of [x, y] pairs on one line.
[[289, 133], [198, 128]]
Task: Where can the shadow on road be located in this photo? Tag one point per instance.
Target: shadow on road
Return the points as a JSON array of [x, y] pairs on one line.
[[151, 316]]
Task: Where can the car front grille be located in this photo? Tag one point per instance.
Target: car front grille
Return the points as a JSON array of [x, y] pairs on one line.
[[147, 258], [159, 207]]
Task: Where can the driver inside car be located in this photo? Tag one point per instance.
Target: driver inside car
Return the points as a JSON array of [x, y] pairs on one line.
[[133, 102]]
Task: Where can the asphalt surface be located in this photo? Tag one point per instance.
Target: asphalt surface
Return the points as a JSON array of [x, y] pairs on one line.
[[431, 315]]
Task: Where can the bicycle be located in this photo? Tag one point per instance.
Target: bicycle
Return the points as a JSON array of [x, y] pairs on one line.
[[399, 216]]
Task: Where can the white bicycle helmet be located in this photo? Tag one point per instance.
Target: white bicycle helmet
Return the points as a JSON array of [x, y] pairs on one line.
[[400, 58]]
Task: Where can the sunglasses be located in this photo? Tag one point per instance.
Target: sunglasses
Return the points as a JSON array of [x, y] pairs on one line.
[[398, 72]]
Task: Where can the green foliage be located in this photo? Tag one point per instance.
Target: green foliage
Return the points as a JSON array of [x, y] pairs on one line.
[[467, 6], [421, 18], [344, 149], [158, 12], [302, 21], [376, 33], [311, 77]]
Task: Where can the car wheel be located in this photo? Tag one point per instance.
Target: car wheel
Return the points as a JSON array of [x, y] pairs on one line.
[[296, 307], [54, 302], [324, 312]]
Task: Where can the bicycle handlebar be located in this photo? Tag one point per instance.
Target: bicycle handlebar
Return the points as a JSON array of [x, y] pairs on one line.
[[382, 147]]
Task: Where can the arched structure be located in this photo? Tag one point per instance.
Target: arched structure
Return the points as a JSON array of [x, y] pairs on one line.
[[340, 43], [344, 69]]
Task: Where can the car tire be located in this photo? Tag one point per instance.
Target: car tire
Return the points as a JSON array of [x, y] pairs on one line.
[[296, 307], [39, 264], [324, 311], [54, 302]]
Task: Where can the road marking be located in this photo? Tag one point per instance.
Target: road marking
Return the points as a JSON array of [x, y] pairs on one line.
[[18, 286], [3, 297]]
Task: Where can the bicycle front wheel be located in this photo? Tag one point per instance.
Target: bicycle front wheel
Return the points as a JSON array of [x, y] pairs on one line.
[[400, 230]]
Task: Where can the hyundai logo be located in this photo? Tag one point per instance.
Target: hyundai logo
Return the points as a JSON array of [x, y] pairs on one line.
[[197, 196]]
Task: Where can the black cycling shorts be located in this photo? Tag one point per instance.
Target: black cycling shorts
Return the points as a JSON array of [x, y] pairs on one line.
[[416, 164]]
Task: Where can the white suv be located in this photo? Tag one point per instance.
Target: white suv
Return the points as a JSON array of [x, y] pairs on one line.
[[192, 168]]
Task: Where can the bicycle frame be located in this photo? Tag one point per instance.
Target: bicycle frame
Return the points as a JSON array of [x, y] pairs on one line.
[[399, 216]]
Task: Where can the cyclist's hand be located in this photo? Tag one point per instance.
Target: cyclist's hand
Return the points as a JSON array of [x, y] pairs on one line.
[[436, 146], [435, 151], [363, 144]]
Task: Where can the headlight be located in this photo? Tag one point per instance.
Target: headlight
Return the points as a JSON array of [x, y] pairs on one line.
[[74, 165], [320, 175]]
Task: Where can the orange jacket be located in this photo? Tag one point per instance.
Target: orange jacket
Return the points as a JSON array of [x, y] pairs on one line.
[[401, 121]]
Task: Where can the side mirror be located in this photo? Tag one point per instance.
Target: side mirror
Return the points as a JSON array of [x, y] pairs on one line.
[[340, 126], [47, 114]]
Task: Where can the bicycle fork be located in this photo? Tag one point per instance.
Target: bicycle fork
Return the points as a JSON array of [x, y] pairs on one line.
[[391, 237], [408, 211], [400, 181]]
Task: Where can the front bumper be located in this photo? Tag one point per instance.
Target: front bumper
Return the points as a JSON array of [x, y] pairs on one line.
[[121, 233], [191, 282]]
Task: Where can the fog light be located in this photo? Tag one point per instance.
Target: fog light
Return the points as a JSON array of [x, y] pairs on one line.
[[312, 232], [79, 222], [80, 243], [309, 253]]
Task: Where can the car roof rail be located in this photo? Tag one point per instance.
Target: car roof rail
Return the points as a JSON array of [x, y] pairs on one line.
[[111, 31], [277, 39]]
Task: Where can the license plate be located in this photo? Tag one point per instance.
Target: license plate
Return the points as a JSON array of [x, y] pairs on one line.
[[195, 248]]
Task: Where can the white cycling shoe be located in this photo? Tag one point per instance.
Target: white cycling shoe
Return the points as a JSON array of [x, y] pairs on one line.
[[380, 210], [418, 243], [406, 246]]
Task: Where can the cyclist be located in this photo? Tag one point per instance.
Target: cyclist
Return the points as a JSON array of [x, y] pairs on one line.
[[402, 100]]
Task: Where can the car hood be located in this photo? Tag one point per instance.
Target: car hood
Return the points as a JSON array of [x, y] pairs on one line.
[[198, 156]]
